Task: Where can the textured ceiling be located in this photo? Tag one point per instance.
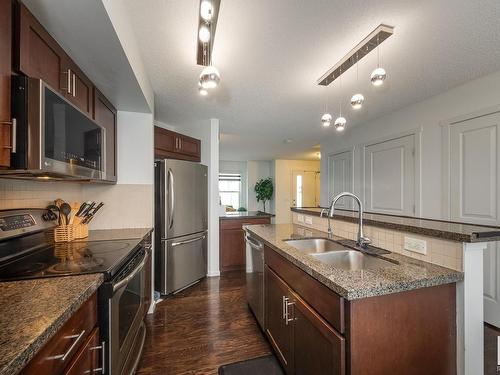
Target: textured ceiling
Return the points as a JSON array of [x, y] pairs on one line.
[[270, 54]]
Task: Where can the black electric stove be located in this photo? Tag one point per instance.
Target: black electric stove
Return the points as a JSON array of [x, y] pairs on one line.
[[27, 250]]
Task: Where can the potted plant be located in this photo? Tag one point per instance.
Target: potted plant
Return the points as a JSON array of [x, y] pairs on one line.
[[264, 189]]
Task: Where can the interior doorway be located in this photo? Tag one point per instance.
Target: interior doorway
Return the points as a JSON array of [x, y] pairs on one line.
[[305, 188]]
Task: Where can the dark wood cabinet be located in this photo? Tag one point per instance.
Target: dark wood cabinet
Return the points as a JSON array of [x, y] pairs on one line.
[[5, 81], [171, 145], [38, 55], [88, 359], [105, 115], [277, 295], [79, 89], [411, 332], [232, 253]]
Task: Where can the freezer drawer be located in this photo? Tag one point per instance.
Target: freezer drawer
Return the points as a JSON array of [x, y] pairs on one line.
[[182, 261]]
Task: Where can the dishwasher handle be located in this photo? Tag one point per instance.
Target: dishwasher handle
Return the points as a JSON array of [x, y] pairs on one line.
[[254, 243]]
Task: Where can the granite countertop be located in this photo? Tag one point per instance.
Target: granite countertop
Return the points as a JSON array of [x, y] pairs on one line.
[[245, 214], [407, 274], [117, 234], [31, 311], [448, 230]]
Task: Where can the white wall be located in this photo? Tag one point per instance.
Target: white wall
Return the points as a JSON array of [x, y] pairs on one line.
[[237, 167], [428, 116]]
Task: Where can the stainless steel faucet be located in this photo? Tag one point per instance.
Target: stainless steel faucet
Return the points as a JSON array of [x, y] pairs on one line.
[[362, 240]]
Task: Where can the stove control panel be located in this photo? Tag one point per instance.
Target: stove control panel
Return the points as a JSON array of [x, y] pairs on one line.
[[22, 222], [8, 223]]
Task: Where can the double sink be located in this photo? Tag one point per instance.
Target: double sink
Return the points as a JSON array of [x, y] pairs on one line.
[[339, 254]]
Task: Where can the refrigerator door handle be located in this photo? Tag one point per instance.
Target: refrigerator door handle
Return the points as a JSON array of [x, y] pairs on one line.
[[170, 175], [189, 241]]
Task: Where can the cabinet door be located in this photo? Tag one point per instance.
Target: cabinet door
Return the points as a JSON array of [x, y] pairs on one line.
[[80, 88], [188, 146], [88, 358], [39, 55], [105, 115], [232, 249], [165, 141], [5, 74], [278, 330], [317, 348]]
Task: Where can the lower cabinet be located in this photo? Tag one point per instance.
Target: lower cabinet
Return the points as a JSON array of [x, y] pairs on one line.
[[302, 340], [87, 360]]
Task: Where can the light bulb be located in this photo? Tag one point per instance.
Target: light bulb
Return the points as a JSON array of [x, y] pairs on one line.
[[204, 34], [209, 77], [202, 91], [357, 101], [340, 123], [206, 10], [378, 76], [326, 120]]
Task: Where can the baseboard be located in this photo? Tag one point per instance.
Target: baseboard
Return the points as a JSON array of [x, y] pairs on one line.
[[213, 274]]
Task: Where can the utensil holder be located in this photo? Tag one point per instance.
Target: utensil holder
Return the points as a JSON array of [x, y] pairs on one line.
[[70, 232]]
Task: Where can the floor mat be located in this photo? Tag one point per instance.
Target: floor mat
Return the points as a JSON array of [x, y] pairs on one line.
[[263, 365]]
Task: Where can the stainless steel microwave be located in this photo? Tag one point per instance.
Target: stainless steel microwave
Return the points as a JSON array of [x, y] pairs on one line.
[[52, 137]]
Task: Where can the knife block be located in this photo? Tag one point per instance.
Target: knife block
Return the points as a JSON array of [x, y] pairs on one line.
[[70, 232]]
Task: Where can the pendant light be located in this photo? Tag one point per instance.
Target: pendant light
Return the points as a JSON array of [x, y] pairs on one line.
[[210, 76], [357, 100], [340, 122], [379, 75], [326, 119], [206, 10]]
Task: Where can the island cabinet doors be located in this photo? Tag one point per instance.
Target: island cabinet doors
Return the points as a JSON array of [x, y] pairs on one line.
[[474, 191], [304, 343]]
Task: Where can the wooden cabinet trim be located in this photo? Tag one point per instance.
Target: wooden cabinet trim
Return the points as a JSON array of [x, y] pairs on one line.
[[5, 82], [326, 302], [102, 104]]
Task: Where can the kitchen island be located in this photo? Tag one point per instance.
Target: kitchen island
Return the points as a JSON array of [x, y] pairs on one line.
[[322, 319]]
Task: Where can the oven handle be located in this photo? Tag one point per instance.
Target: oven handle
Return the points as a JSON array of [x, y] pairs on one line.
[[120, 284]]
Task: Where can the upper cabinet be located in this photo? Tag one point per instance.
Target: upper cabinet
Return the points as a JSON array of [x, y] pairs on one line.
[[40, 56], [172, 145], [105, 115], [5, 81]]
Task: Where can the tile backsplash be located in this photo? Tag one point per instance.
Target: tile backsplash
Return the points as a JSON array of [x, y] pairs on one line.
[[126, 205], [441, 252]]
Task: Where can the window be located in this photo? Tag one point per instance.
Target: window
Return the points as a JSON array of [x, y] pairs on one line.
[[230, 189]]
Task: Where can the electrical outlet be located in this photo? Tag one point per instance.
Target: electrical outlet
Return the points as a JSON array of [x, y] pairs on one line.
[[416, 245], [300, 218], [309, 220]]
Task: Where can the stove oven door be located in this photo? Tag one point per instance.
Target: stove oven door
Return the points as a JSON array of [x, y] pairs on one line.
[[126, 332]]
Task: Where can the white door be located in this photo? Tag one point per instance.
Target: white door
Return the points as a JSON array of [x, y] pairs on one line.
[[304, 189], [340, 178], [390, 176], [474, 195]]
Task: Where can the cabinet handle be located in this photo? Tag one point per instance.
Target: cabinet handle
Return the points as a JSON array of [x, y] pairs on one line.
[[102, 347], [180, 143], [287, 313], [77, 338], [13, 135], [68, 88], [285, 300], [74, 85]]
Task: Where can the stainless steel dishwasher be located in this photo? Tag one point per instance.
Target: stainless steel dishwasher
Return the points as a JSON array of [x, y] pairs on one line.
[[255, 277]]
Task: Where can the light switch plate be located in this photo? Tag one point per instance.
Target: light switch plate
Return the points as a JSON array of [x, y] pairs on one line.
[[300, 218], [416, 245], [309, 220]]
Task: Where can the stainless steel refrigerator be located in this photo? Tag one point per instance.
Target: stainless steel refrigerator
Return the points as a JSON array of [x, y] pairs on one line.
[[181, 236]]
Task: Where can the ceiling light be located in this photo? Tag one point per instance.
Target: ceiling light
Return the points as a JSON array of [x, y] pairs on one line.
[[340, 123], [357, 101], [378, 76], [206, 10], [209, 77], [204, 34], [326, 120], [202, 91]]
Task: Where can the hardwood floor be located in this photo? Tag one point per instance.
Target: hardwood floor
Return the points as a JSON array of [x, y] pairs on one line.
[[202, 328], [490, 350]]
